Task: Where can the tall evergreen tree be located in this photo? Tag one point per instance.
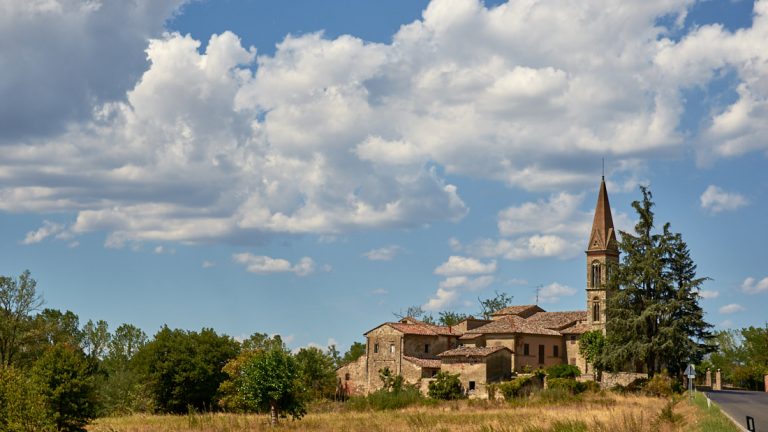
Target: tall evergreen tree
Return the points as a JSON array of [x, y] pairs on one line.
[[654, 319]]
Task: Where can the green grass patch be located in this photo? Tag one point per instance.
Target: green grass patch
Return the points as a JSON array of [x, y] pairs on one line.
[[711, 419]]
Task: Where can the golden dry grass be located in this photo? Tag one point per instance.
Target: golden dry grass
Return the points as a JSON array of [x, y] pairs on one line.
[[609, 412]]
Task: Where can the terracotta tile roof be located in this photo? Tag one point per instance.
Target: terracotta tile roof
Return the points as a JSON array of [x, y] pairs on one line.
[[466, 336], [416, 327], [513, 324], [522, 310], [557, 320], [433, 363], [577, 329], [465, 351]]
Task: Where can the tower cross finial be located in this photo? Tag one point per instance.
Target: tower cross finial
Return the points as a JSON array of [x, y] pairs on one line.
[[603, 168]]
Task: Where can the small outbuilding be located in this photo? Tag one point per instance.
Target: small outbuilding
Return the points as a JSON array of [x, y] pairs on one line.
[[477, 367]]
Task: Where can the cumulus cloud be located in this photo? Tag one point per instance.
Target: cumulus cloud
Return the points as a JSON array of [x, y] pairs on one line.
[[555, 227], [443, 299], [165, 142], [554, 291], [208, 264], [709, 294], [48, 229], [462, 274], [261, 264], [717, 200], [753, 286], [731, 308], [386, 253], [459, 265]]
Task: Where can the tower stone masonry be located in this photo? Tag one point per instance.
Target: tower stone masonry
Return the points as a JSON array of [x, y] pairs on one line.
[[602, 256]]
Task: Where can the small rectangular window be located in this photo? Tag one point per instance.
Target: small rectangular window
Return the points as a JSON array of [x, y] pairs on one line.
[[556, 351], [426, 348], [471, 386], [375, 348], [526, 349], [392, 348]]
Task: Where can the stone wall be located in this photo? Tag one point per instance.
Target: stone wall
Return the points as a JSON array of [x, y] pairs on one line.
[[352, 378], [572, 355], [610, 379], [469, 369], [414, 345], [384, 337], [532, 359]]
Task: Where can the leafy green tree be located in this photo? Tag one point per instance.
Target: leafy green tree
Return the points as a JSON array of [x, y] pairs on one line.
[[123, 390], [653, 311], [264, 342], [491, 305], [591, 347], [183, 369], [355, 351], [271, 383], [22, 405], [67, 386], [317, 374], [563, 371], [450, 318], [95, 340], [18, 300], [446, 386]]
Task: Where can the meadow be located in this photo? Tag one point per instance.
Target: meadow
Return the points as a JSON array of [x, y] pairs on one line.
[[590, 412]]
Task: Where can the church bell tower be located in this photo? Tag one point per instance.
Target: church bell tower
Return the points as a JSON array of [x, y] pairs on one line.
[[602, 253]]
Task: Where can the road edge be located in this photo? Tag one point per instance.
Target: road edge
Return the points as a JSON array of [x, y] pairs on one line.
[[726, 414]]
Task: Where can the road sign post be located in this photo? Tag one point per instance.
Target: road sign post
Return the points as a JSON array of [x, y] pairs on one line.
[[690, 373]]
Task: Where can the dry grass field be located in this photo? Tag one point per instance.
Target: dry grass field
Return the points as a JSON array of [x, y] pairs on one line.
[[595, 412]]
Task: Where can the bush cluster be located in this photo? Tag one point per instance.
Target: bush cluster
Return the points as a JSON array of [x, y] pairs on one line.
[[660, 386], [383, 399], [563, 371], [520, 386], [446, 386]]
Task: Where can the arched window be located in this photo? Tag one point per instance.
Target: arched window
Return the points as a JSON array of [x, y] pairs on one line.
[[596, 311], [596, 280]]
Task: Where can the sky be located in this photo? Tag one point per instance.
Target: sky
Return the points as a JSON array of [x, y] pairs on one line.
[[310, 169]]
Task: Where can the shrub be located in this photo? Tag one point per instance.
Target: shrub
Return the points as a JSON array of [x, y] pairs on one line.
[[520, 386], [570, 385], [387, 400], [592, 386], [563, 371], [660, 385], [446, 386], [22, 407]]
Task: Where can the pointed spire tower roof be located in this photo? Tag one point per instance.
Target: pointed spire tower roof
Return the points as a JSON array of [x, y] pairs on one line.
[[602, 236]]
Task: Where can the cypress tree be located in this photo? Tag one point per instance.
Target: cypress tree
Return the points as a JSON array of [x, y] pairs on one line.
[[654, 318]]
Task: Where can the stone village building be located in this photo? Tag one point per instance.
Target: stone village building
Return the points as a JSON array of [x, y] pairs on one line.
[[517, 338]]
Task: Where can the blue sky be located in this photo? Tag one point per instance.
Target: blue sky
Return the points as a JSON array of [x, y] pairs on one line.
[[308, 168]]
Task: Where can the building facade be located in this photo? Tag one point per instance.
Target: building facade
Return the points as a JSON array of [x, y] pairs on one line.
[[517, 339]]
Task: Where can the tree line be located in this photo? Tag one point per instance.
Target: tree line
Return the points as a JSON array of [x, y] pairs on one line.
[[56, 374]]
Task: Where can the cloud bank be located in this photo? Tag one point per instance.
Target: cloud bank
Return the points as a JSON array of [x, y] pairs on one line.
[[168, 142]]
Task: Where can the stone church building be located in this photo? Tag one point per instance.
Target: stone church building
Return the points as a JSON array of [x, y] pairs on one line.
[[516, 339]]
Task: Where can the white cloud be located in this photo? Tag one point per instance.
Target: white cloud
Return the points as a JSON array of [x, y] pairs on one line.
[[554, 291], [443, 299], [459, 266], [208, 264], [752, 286], [386, 253], [163, 142], [48, 229], [557, 215], [726, 324], [709, 294], [466, 283], [164, 250], [379, 291], [261, 264], [717, 200], [731, 308]]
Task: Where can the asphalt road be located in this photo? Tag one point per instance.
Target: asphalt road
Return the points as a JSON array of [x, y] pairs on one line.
[[740, 404]]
